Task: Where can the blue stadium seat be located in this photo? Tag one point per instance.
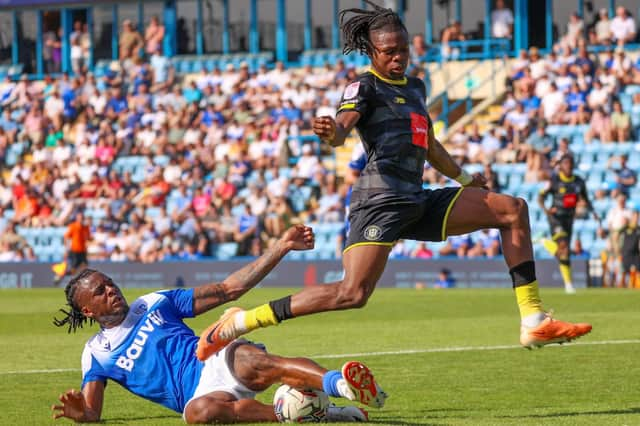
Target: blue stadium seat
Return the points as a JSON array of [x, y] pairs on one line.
[[197, 66], [161, 160], [183, 66], [225, 251]]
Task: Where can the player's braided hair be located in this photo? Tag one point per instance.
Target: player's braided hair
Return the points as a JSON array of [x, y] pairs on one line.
[[355, 30], [74, 316]]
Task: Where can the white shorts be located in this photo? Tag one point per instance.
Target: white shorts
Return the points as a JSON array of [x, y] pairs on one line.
[[217, 376]]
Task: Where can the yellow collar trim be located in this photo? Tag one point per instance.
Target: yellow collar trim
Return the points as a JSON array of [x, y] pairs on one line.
[[402, 81], [566, 179]]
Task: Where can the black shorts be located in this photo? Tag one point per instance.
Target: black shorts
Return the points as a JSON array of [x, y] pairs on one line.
[[383, 219], [561, 227], [629, 261], [77, 258]]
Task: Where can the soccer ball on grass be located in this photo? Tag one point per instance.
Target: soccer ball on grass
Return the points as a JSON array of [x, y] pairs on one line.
[[300, 405]]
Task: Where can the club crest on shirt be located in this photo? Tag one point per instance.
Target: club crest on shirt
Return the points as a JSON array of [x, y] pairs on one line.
[[352, 90], [142, 308], [372, 233]]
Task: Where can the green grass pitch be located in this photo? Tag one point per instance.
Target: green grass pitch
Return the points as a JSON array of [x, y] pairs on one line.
[[446, 357]]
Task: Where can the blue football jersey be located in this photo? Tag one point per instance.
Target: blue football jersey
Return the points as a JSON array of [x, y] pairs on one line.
[[152, 353]]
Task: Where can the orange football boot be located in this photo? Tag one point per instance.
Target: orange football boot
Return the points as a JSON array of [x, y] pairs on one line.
[[551, 331], [210, 341]]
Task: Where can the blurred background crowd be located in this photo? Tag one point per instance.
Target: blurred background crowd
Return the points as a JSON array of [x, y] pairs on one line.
[[219, 163]]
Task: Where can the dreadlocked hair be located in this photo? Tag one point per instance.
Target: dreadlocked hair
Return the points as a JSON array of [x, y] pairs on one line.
[[355, 30], [74, 317]]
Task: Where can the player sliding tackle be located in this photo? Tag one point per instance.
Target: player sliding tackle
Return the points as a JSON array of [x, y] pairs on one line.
[[149, 336], [388, 203]]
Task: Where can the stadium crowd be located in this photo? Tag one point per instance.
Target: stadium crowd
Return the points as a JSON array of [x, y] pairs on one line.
[[167, 167]]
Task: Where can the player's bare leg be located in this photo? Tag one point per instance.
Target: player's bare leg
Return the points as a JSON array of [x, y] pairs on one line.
[[510, 215], [258, 370], [364, 264]]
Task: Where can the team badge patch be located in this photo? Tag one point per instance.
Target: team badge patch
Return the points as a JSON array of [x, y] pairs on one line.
[[352, 90], [373, 233]]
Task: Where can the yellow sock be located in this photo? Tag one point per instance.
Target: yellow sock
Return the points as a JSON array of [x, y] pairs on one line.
[[551, 246], [565, 271], [259, 317], [528, 299]]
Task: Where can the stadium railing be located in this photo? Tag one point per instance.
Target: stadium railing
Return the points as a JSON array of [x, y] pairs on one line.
[[472, 87]]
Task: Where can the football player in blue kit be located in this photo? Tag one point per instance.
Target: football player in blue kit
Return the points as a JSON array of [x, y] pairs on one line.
[[148, 349]]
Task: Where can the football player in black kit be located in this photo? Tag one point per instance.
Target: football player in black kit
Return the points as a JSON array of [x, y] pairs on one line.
[[566, 189], [388, 203]]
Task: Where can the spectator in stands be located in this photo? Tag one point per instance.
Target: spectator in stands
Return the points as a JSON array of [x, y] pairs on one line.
[[626, 178], [422, 251], [620, 123], [623, 27], [130, 42], [602, 31], [487, 244], [418, 51], [246, 230], [154, 36], [77, 236], [537, 152], [630, 251], [577, 249], [451, 33], [561, 150], [598, 97], [576, 106], [457, 245], [399, 250], [50, 43], [7, 254], [308, 164], [279, 217], [331, 204], [553, 105], [501, 21], [636, 79], [445, 279], [13, 240], [493, 182], [575, 31], [615, 220], [599, 127]]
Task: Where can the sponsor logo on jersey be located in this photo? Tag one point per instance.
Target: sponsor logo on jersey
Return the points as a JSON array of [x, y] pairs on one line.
[[400, 100], [419, 129], [134, 350], [351, 91], [372, 233]]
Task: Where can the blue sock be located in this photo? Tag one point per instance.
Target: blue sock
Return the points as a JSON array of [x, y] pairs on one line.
[[330, 383]]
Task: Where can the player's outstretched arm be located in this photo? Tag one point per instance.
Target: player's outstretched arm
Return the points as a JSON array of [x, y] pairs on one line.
[[440, 159], [335, 131], [85, 406], [298, 237]]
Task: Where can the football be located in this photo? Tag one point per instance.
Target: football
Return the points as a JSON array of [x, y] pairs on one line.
[[300, 405]]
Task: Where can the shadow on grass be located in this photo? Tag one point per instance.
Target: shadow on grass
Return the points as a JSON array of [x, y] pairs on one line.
[[400, 422], [633, 410], [127, 420]]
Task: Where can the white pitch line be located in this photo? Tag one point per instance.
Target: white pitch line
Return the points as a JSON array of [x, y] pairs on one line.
[[383, 353], [467, 349], [52, 370]]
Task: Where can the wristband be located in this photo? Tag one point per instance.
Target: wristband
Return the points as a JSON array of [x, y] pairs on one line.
[[464, 178]]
